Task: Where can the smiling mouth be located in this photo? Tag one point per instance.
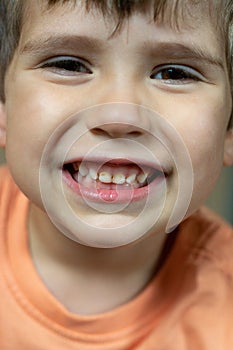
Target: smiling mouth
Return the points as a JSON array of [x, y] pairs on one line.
[[112, 175]]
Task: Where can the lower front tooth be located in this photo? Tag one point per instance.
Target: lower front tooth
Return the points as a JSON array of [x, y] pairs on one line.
[[88, 178], [105, 177], [118, 179]]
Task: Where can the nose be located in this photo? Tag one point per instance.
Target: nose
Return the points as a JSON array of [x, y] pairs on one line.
[[119, 119], [120, 110]]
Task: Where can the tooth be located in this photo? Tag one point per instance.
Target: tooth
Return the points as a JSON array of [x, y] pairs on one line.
[[83, 170], [141, 178], [118, 179], [93, 174], [76, 166], [131, 178], [78, 177], [88, 178], [105, 177]]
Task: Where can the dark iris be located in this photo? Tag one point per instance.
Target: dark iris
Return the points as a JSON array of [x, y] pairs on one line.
[[175, 74]]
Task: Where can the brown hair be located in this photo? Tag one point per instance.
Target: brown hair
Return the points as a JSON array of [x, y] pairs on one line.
[[12, 11]]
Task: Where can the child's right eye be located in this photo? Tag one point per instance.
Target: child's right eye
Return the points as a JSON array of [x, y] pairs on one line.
[[66, 66]]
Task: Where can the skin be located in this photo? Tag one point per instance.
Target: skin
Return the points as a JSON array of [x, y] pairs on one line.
[[202, 106]]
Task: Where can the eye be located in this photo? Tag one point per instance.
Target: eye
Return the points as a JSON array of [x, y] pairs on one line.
[[66, 66], [173, 74]]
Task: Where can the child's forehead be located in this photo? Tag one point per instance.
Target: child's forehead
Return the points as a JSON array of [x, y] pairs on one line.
[[76, 18], [176, 15], [176, 12], [187, 16]]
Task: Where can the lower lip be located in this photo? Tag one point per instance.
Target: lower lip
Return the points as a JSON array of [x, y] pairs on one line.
[[111, 196]]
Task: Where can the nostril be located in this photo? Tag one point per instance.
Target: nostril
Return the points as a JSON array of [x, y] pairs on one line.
[[116, 133], [98, 131], [135, 133]]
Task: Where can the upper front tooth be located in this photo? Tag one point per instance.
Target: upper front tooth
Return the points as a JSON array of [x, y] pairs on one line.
[[93, 174], [118, 179], [105, 177], [83, 170], [131, 178], [142, 178]]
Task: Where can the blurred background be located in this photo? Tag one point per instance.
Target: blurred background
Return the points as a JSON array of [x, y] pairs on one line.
[[221, 200]]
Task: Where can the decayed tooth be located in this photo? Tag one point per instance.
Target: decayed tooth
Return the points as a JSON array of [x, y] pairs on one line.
[[83, 170], [76, 166], [141, 178], [131, 178], [105, 177], [118, 179], [93, 174]]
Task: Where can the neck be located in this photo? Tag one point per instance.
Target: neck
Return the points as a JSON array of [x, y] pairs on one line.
[[90, 280]]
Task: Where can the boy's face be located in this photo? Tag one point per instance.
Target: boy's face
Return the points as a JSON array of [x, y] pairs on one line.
[[66, 62]]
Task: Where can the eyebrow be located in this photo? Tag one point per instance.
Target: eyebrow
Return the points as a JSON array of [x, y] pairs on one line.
[[179, 51], [162, 50], [55, 43]]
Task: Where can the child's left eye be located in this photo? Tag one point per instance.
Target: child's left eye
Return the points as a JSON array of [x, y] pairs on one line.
[[175, 74], [66, 66]]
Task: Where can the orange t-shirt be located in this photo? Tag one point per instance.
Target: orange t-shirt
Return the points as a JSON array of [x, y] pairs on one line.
[[187, 306]]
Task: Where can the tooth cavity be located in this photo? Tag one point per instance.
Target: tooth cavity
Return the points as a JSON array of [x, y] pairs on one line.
[[105, 177], [76, 166], [118, 179]]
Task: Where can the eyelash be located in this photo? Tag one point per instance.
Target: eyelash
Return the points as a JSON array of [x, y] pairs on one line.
[[65, 65], [176, 74], [168, 74]]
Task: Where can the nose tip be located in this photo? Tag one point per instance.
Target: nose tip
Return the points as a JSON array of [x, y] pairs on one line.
[[118, 120]]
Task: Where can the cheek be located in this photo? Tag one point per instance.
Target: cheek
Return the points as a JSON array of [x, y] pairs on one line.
[[32, 115], [205, 143]]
